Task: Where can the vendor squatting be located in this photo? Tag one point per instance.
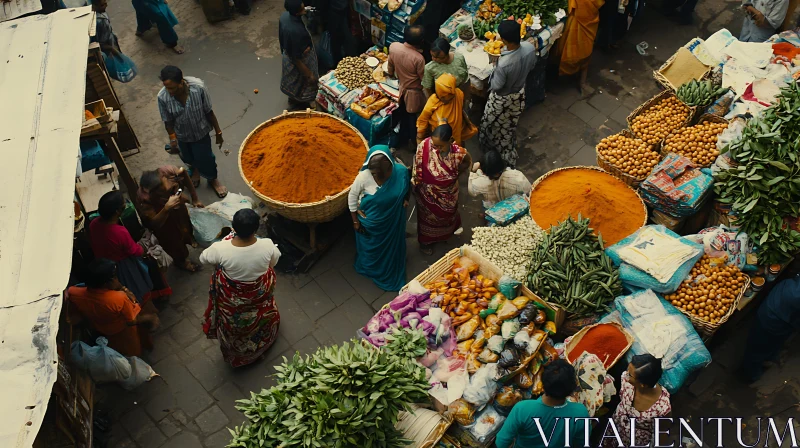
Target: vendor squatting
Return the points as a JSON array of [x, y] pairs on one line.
[[768, 430]]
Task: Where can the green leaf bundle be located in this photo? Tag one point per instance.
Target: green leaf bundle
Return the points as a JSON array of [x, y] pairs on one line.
[[765, 186], [341, 396]]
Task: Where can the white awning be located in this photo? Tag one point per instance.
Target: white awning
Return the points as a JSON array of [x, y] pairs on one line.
[[42, 89]]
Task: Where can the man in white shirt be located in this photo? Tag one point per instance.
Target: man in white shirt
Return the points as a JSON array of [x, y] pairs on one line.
[[495, 181], [244, 257]]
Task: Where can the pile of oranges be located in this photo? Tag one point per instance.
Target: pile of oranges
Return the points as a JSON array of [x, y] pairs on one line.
[[698, 143], [710, 291], [660, 119], [633, 156]]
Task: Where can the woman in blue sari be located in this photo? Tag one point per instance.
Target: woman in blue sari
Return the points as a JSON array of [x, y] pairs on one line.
[[377, 201], [149, 12]]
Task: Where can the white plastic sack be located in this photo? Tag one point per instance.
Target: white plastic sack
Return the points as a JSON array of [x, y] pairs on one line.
[[104, 364], [207, 225], [141, 372], [482, 386], [231, 204]]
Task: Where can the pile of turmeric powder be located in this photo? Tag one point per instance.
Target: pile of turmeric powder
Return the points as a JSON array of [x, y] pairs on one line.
[[613, 208], [301, 160]]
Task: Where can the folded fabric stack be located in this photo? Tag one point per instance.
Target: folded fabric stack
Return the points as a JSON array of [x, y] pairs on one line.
[[677, 187]]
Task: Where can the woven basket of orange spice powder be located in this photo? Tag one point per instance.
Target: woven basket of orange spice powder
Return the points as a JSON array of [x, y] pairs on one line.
[[301, 164], [614, 209]]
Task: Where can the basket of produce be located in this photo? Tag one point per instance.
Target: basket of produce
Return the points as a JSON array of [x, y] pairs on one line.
[[609, 341], [681, 68], [711, 293], [465, 32], [697, 143], [658, 116], [279, 160], [626, 157], [494, 46], [571, 270], [353, 72], [699, 93], [613, 207]]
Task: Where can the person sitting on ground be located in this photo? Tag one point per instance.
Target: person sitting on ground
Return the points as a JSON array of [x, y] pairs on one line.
[[550, 410], [762, 19], [111, 309], [241, 310], [778, 317], [495, 181], [162, 206], [641, 397]]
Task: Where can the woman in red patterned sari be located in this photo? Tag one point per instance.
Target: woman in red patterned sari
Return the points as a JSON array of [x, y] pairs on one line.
[[241, 311], [437, 165]]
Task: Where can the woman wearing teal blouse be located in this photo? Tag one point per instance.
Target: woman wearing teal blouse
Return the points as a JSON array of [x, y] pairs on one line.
[[378, 199], [445, 62]]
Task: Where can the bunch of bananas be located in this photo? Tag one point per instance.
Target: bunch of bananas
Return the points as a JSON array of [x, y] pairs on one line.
[[699, 93]]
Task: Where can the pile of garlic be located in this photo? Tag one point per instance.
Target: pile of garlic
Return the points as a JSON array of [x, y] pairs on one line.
[[509, 247]]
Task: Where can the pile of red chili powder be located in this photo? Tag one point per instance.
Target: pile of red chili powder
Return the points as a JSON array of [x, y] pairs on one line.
[[604, 340], [301, 160]]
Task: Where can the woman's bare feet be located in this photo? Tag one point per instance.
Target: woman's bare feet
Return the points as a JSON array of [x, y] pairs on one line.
[[177, 49], [218, 188], [189, 266], [196, 179]]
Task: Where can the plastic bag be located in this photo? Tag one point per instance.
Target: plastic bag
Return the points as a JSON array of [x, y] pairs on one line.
[[447, 367], [231, 204], [508, 310], [207, 225], [430, 358], [488, 356], [465, 346], [487, 424], [467, 329], [528, 314], [509, 329], [472, 363], [492, 319], [506, 398], [508, 286], [524, 379], [104, 364], [141, 372], [463, 413], [120, 67], [520, 302], [495, 343], [497, 301], [492, 330], [482, 385], [509, 358], [522, 342]]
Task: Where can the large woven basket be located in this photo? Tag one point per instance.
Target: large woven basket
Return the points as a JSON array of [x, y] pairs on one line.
[[705, 118], [312, 212], [616, 171], [707, 329], [644, 107]]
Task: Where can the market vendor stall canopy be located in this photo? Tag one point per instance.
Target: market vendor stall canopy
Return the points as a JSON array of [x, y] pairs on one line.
[[42, 85]]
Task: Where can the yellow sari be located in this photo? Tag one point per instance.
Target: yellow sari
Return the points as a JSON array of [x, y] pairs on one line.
[[437, 112], [577, 42]]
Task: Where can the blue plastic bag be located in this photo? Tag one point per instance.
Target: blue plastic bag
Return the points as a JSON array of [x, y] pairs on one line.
[[645, 315], [120, 67], [633, 278]]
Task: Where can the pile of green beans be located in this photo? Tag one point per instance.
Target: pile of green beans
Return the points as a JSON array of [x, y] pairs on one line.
[[571, 269]]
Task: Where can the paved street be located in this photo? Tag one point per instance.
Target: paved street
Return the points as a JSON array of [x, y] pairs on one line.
[[192, 402]]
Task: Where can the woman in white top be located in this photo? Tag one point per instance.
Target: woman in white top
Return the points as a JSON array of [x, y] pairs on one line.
[[495, 181], [241, 311], [378, 198]]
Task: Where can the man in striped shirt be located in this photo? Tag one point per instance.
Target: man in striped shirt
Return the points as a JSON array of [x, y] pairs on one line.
[[185, 108]]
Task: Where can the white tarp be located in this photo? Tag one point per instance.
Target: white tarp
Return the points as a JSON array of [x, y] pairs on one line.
[[42, 89], [15, 8]]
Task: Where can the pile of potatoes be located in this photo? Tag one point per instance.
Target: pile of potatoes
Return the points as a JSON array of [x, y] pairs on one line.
[[353, 72], [710, 291], [698, 143], [631, 155], [662, 118]]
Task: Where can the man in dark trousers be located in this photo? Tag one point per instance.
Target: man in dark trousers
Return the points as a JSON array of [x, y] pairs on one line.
[[777, 318], [337, 25]]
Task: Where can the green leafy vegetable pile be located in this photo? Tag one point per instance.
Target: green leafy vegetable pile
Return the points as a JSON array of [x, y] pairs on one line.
[[341, 396], [764, 188], [571, 269], [546, 9], [411, 343]]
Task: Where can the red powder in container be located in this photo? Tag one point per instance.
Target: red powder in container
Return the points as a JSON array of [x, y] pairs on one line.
[[604, 340]]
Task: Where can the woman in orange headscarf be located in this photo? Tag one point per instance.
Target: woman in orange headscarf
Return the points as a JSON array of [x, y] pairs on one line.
[[446, 106], [576, 44]]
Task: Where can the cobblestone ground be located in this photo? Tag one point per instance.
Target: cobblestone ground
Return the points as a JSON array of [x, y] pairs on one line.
[[192, 402]]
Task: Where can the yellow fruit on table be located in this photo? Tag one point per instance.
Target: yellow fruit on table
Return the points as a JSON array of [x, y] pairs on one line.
[[489, 35]]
